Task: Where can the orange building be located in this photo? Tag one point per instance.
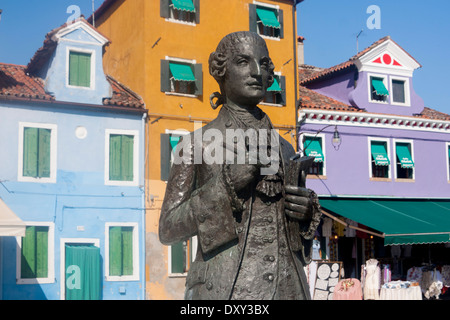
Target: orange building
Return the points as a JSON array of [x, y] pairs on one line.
[[160, 49]]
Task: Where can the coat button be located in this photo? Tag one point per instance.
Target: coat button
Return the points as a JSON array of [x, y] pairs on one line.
[[201, 218], [209, 285], [269, 277], [228, 124]]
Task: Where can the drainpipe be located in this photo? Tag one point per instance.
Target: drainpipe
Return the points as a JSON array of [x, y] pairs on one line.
[[294, 13], [143, 234]]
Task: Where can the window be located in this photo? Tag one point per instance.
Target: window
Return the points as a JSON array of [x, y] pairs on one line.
[[80, 69], [400, 91], [404, 163], [35, 255], [379, 159], [181, 255], [37, 152], [185, 11], [378, 91], [181, 77], [122, 157], [266, 20], [169, 141], [313, 147], [276, 94], [122, 252]]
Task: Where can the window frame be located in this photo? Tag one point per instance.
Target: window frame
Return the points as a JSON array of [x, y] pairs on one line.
[[321, 136], [411, 146], [53, 152], [166, 82], [136, 273], [253, 17], [50, 255], [370, 159], [369, 87], [407, 102], [192, 243], [135, 134], [166, 11], [70, 49], [282, 82], [166, 152]]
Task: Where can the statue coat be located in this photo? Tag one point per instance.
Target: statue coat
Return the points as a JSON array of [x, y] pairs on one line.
[[248, 248]]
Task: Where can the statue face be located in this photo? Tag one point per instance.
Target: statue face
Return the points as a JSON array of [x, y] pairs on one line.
[[247, 74]]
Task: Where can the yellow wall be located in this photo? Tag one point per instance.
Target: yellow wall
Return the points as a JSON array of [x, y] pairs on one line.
[[140, 39]]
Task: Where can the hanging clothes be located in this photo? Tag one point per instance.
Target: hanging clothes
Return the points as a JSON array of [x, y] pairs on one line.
[[372, 280], [350, 232], [327, 227]]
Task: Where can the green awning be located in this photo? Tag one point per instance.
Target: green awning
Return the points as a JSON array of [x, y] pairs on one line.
[[403, 221], [379, 153], [275, 87], [379, 87], [313, 148], [181, 72], [174, 141], [268, 17], [404, 155], [185, 5]]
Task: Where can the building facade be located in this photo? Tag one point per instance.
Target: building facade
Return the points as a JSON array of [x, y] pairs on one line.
[[389, 171], [163, 55], [73, 174]]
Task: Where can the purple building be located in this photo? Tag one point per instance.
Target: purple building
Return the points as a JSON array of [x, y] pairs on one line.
[[389, 173]]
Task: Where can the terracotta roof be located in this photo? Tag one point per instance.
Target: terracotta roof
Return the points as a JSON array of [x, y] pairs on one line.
[[313, 100], [433, 114], [15, 82]]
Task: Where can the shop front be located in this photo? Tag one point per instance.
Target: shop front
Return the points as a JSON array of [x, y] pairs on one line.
[[392, 249]]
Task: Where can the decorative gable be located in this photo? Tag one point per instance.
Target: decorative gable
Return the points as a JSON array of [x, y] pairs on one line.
[[70, 62], [389, 58]]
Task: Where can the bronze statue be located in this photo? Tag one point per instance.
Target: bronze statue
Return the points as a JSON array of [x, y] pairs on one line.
[[254, 229]]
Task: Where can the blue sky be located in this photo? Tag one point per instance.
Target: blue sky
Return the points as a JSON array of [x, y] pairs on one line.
[[330, 27]]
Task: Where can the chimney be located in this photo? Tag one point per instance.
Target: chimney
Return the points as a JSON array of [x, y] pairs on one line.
[[300, 51]]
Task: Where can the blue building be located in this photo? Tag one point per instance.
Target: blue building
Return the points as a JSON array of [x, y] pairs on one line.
[[72, 172]]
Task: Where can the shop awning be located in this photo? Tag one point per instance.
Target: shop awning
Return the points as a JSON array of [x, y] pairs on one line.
[[268, 17], [379, 87], [10, 223], [181, 72], [402, 221], [275, 87], [313, 148], [379, 153], [185, 5], [404, 156]]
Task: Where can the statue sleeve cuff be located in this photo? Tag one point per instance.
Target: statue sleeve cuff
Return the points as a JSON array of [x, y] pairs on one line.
[[308, 231]]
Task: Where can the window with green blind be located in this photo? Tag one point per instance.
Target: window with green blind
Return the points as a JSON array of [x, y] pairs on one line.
[[120, 251], [34, 255], [121, 157], [36, 152], [79, 69]]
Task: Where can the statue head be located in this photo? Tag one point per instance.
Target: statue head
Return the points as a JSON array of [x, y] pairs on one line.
[[243, 69]]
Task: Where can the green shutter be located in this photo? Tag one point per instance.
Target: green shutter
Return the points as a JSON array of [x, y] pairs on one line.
[[178, 257], [165, 156], [44, 153], [28, 259], [115, 251], [34, 260], [30, 152], [80, 69], [41, 252], [121, 157], [127, 251], [127, 158]]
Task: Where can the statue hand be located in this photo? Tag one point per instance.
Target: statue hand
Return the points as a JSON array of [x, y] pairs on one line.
[[298, 203]]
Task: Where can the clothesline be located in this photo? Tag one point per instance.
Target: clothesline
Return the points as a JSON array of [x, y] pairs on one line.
[[350, 226]]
